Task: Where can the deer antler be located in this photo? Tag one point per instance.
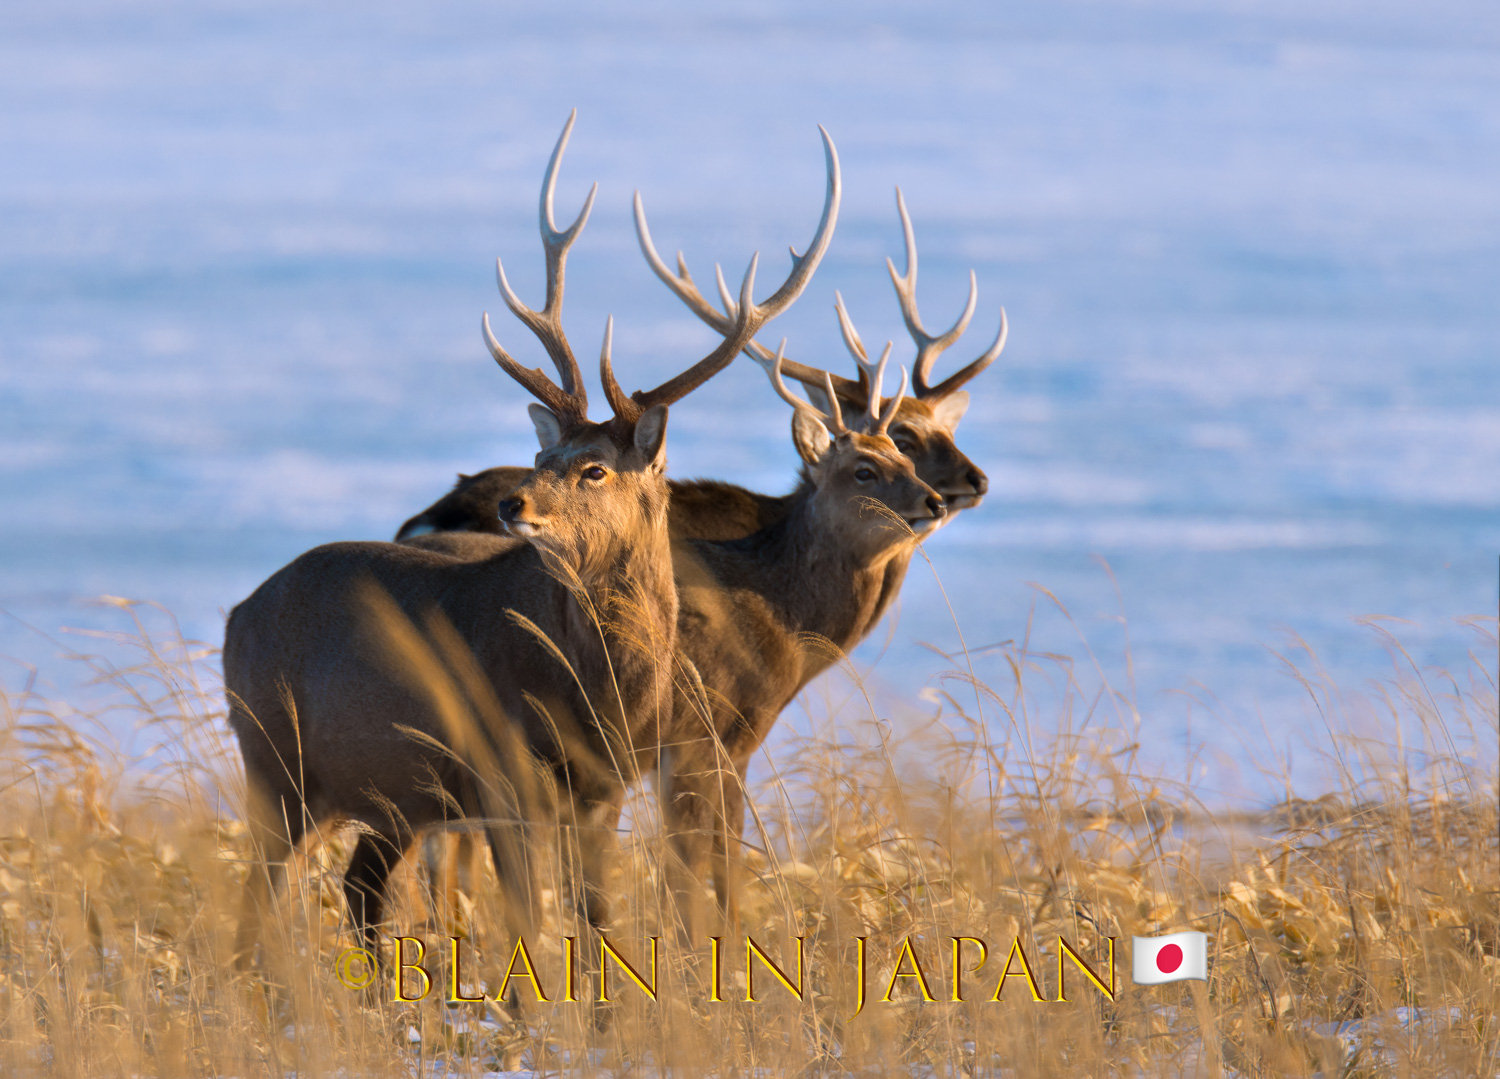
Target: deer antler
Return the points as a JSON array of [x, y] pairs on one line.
[[879, 422], [744, 327], [742, 318], [870, 374], [685, 289], [570, 401], [833, 421], [931, 346]]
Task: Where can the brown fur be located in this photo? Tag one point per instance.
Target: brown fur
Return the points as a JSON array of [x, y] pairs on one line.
[[324, 700]]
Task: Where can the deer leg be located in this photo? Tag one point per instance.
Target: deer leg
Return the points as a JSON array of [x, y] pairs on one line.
[[597, 823], [510, 851], [276, 825], [729, 827], [440, 857], [688, 809], [365, 881]]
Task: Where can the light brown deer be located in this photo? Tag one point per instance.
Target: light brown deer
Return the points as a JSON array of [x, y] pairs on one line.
[[760, 617], [398, 687]]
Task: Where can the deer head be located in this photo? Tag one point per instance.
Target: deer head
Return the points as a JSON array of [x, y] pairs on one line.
[[595, 482], [592, 482], [866, 491]]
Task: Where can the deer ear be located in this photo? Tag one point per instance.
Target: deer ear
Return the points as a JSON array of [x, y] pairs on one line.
[[651, 435], [950, 409], [810, 437], [549, 430]]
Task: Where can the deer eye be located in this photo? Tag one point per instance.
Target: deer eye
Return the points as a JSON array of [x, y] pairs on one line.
[[595, 473], [905, 445], [864, 474]]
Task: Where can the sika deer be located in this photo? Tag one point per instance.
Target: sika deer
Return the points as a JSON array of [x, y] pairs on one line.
[[397, 686], [760, 617]]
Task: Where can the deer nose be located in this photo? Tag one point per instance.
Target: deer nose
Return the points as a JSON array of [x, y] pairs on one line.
[[936, 507], [979, 481], [509, 508]]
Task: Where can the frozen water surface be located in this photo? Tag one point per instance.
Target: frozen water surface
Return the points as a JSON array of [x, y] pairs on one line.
[[1249, 253]]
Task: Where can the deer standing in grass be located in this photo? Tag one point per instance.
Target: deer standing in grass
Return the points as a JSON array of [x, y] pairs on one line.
[[400, 687], [818, 564]]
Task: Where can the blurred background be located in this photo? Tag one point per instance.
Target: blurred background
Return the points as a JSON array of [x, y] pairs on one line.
[[1249, 252]]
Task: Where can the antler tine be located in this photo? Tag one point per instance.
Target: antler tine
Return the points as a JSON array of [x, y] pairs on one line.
[[552, 236], [871, 375], [742, 318], [929, 346], [547, 323], [834, 423], [681, 282], [876, 373], [959, 377], [804, 265], [612, 392], [749, 319], [852, 342], [833, 403], [883, 423], [569, 407]]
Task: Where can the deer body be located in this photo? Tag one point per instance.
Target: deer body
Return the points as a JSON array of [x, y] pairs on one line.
[[335, 665], [561, 642]]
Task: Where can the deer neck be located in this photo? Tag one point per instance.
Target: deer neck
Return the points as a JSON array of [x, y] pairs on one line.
[[624, 603], [824, 586]]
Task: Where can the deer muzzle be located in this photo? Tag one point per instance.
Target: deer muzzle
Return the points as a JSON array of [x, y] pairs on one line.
[[517, 516], [967, 490]]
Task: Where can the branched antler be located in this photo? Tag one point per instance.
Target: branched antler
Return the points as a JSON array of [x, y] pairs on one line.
[[744, 320], [570, 400], [879, 421], [931, 346], [725, 320]]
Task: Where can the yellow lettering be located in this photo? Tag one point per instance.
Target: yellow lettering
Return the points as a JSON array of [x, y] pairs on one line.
[[607, 949], [521, 955], [1064, 948], [907, 952], [454, 996], [1024, 972], [752, 948], [402, 966], [958, 970]]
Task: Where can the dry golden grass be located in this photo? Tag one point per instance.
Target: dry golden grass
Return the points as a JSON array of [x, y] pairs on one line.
[[1353, 935]]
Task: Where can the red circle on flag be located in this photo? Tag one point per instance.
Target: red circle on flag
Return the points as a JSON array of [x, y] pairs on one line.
[[1169, 959]]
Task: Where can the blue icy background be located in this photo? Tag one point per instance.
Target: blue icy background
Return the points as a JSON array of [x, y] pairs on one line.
[[1250, 253]]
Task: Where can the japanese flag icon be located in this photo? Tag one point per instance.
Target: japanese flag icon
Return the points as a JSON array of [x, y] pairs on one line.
[[1172, 958]]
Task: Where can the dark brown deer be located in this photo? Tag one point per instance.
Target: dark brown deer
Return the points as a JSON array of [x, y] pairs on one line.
[[398, 687]]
